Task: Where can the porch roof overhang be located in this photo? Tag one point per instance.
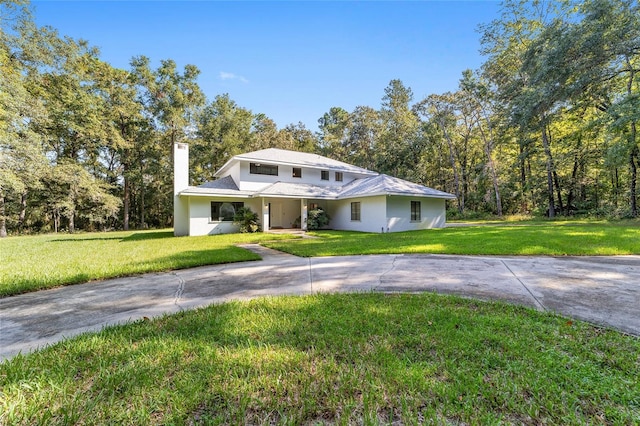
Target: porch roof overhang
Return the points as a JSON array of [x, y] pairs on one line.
[[195, 191]]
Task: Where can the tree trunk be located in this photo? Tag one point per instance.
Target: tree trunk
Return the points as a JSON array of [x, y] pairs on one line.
[[72, 222], [634, 174], [142, 224], [452, 160], [524, 207], [23, 209], [3, 218], [126, 200], [559, 193], [547, 151], [573, 185], [488, 143]]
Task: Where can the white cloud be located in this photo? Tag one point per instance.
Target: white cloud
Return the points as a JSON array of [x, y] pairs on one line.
[[231, 76]]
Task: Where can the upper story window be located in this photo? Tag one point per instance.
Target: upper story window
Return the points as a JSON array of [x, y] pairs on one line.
[[338, 176], [297, 172], [263, 169], [324, 174]]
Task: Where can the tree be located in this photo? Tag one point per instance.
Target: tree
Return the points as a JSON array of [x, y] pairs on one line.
[[334, 132], [477, 96], [22, 160], [400, 126], [223, 130]]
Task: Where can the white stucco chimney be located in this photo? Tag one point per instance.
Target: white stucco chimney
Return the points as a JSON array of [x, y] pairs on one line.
[[180, 182]]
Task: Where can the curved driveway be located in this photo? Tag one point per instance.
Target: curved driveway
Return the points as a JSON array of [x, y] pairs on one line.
[[602, 290]]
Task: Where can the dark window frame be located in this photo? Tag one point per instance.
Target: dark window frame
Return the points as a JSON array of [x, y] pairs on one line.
[[263, 169], [324, 174], [339, 176], [356, 211], [216, 207], [416, 211], [297, 175]]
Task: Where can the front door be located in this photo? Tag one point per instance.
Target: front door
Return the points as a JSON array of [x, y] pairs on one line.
[[275, 215]]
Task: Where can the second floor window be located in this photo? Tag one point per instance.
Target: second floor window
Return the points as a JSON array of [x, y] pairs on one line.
[[297, 172], [263, 169], [338, 176], [324, 174]]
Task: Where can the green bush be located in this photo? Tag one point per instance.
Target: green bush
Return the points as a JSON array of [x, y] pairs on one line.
[[317, 219], [247, 220]]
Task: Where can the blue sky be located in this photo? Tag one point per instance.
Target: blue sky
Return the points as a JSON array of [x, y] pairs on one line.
[[292, 61]]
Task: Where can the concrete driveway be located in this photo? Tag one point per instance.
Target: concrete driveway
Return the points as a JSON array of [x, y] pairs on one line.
[[602, 290]]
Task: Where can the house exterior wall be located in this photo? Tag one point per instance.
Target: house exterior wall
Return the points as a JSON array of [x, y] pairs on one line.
[[373, 214], [399, 213], [200, 222], [254, 182], [234, 172]]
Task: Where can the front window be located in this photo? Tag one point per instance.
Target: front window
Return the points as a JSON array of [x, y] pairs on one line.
[[324, 174], [297, 172], [263, 169], [355, 211], [224, 212], [416, 212], [338, 176]]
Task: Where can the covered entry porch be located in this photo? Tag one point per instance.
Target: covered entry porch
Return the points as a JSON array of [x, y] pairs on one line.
[[287, 213]]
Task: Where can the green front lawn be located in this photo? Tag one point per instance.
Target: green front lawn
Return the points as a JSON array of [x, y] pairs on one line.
[[547, 238], [32, 263], [343, 358]]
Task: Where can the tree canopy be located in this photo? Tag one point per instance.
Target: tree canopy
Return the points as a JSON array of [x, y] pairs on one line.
[[547, 125]]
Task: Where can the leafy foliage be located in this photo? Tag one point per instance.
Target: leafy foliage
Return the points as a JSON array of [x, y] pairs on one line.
[[247, 220], [547, 126], [317, 219]]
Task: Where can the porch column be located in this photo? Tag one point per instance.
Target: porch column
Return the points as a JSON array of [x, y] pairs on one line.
[[303, 215], [265, 215]]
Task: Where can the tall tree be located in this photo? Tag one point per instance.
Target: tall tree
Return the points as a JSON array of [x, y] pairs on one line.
[[224, 130]]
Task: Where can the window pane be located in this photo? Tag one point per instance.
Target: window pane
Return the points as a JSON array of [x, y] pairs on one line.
[[355, 211], [297, 172], [338, 176], [215, 210], [324, 175], [415, 211], [224, 211], [263, 169]]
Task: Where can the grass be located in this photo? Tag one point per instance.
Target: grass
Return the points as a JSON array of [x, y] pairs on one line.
[[568, 238], [344, 359], [33, 263]]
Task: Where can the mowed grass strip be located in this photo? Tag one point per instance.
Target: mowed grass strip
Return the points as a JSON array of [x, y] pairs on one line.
[[32, 263], [547, 239], [338, 359]]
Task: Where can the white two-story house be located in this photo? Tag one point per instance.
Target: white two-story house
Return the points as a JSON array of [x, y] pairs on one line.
[[283, 186]]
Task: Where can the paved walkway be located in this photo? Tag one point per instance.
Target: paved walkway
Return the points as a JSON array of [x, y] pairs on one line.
[[602, 290]]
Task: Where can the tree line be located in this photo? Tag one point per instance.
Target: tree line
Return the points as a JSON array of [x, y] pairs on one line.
[[547, 125]]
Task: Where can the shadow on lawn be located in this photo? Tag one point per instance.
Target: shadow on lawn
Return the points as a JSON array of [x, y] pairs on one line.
[[137, 236], [154, 235]]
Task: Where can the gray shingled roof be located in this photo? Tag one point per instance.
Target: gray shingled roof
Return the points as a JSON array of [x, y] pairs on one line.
[[365, 187], [388, 185], [226, 182], [283, 156], [222, 186], [299, 190]]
